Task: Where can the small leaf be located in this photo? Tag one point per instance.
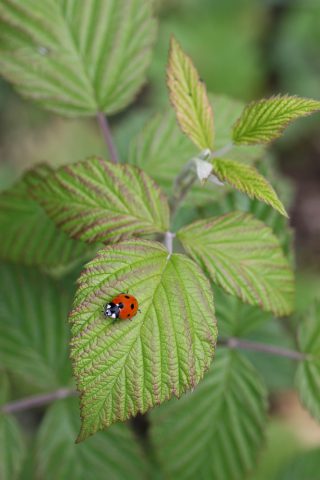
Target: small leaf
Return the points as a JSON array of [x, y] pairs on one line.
[[216, 431], [126, 367], [189, 98], [242, 255], [28, 235], [114, 454], [248, 180], [77, 58], [98, 202], [33, 330], [265, 120], [308, 373]]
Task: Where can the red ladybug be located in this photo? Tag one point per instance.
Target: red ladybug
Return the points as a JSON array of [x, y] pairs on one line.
[[123, 306]]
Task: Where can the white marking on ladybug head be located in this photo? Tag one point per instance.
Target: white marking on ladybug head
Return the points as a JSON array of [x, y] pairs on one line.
[[113, 315]]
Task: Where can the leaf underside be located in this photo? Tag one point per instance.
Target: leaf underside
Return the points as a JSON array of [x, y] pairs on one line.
[[217, 430], [242, 255], [189, 98], [95, 201], [265, 120], [126, 367], [248, 180], [76, 58]]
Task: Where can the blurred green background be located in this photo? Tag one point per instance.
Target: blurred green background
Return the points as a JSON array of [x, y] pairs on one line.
[[246, 49]]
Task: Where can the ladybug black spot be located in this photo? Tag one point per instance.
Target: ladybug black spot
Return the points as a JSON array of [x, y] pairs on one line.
[[128, 315], [132, 306], [126, 296], [121, 305]]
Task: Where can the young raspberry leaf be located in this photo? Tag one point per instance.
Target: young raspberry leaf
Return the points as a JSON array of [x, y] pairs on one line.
[[124, 367], [265, 120], [96, 201], [248, 180], [242, 256], [77, 58], [308, 373], [189, 98], [216, 431]]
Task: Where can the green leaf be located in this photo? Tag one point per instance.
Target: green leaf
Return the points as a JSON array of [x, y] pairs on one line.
[[242, 256], [189, 98], [96, 201], [308, 372], [12, 448], [217, 430], [33, 329], [75, 58], [126, 367], [29, 236], [303, 466], [113, 454], [265, 120], [248, 180]]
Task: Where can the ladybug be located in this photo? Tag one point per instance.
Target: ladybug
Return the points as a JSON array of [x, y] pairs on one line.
[[123, 306]]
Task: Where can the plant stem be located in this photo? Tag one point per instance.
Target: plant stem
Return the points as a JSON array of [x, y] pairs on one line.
[[233, 342], [182, 185], [168, 241], [222, 151], [105, 129], [37, 400]]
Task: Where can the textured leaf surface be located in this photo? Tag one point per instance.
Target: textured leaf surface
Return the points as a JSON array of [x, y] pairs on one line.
[[29, 236], [189, 98], [242, 255], [265, 120], [126, 367], [308, 373], [76, 58], [248, 180], [217, 430], [12, 447], [33, 329], [304, 466], [113, 454], [99, 202]]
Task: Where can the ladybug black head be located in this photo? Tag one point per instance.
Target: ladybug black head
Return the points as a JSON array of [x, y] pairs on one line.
[[112, 310]]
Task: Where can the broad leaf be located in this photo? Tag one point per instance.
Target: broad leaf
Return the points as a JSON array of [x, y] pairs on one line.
[[126, 367], [75, 58], [189, 98], [265, 120], [12, 446], [96, 201], [248, 180], [29, 236], [217, 430], [114, 454], [308, 373], [242, 255], [33, 329]]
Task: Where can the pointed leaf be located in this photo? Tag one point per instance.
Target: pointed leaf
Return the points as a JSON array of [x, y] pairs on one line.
[[216, 431], [76, 58], [308, 373], [248, 180], [113, 454], [33, 330], [265, 120], [29, 236], [98, 202], [242, 255], [125, 367], [189, 98]]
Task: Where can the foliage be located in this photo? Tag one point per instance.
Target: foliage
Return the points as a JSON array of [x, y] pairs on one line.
[[308, 373], [216, 244], [127, 367], [75, 59]]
